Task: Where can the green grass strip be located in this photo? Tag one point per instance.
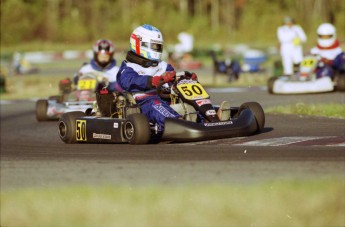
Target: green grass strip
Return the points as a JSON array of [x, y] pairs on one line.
[[286, 203], [326, 110]]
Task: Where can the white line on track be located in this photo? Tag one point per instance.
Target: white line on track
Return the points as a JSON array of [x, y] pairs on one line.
[[283, 141]]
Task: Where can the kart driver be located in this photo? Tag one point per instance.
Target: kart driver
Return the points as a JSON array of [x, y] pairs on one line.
[[103, 62], [290, 37], [143, 70], [329, 50]]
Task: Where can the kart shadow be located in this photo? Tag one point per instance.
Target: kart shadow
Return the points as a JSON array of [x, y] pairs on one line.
[[266, 130]]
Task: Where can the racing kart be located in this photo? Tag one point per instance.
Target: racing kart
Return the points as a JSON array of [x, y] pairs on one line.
[[126, 124], [81, 99], [307, 81]]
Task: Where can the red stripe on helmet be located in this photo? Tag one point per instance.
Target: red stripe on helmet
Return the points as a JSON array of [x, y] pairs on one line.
[[137, 43]]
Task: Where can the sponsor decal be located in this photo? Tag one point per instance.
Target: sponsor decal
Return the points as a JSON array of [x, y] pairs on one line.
[[187, 81], [210, 112], [156, 41], [161, 109], [203, 102], [218, 123], [116, 125], [101, 136]]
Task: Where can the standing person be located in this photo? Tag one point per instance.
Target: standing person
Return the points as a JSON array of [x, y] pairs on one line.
[[143, 70], [291, 37]]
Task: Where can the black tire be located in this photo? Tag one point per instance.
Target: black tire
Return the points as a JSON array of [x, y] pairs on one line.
[[270, 84], [340, 81], [257, 111], [41, 109], [136, 129], [67, 126]]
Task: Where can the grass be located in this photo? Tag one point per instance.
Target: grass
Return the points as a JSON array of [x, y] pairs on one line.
[[328, 110], [286, 203], [31, 86], [38, 86]]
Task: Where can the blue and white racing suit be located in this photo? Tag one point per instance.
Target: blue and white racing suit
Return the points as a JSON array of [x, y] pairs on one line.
[[136, 79], [109, 72]]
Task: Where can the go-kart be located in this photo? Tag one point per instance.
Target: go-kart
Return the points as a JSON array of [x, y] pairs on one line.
[[126, 124], [80, 99], [307, 81]]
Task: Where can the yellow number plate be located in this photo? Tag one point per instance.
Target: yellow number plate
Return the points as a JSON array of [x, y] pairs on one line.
[[192, 91], [81, 130], [309, 62], [89, 84]]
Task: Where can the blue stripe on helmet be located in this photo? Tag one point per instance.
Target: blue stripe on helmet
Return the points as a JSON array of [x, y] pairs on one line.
[[150, 27]]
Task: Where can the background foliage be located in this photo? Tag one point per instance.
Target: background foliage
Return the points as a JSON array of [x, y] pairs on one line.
[[211, 21]]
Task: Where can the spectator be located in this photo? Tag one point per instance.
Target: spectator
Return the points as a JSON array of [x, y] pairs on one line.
[[291, 37]]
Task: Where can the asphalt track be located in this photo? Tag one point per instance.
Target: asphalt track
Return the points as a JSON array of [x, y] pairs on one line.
[[289, 147]]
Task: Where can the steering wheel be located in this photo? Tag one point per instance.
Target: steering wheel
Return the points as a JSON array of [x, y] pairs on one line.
[[163, 92]]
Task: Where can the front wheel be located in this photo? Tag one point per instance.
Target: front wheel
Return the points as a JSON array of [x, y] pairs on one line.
[[41, 110], [67, 126], [136, 129], [257, 111]]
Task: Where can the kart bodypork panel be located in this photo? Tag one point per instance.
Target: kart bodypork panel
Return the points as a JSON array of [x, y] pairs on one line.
[[286, 86], [183, 131], [99, 130], [109, 130], [56, 109]]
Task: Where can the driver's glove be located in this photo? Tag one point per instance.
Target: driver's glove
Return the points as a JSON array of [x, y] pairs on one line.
[[169, 76], [166, 78]]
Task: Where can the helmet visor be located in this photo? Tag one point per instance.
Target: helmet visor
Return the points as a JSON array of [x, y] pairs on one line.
[[153, 46], [325, 36]]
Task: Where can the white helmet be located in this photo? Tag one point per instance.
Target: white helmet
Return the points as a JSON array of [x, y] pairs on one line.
[[147, 41], [326, 35]]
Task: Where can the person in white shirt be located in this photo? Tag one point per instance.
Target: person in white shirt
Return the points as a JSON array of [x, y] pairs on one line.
[[291, 37]]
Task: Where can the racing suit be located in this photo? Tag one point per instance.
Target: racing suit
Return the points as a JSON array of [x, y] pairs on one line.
[[333, 58], [135, 78], [109, 72], [290, 39]]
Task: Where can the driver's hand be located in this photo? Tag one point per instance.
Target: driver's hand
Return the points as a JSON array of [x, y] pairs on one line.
[[169, 76], [193, 76]]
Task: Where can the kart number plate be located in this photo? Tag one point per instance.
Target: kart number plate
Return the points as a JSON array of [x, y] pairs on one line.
[[81, 130], [89, 84], [192, 91], [309, 62]]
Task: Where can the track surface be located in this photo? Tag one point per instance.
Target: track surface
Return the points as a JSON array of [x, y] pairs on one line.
[[32, 154]]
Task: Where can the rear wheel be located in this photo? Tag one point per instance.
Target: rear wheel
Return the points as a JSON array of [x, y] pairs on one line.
[[136, 129], [67, 126], [257, 111], [270, 84], [41, 109]]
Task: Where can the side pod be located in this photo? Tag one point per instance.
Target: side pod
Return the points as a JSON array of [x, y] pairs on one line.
[[184, 131]]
